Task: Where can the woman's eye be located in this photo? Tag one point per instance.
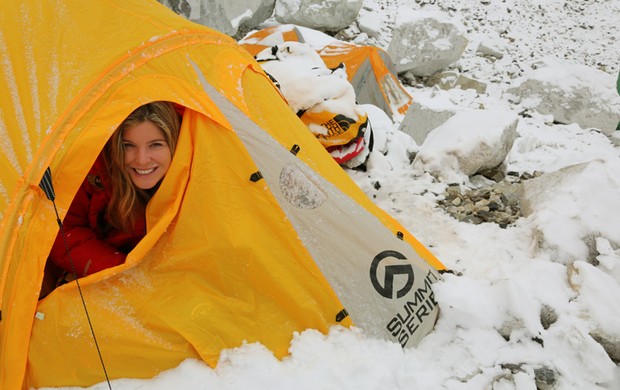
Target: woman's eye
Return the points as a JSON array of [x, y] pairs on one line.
[[157, 144], [127, 145]]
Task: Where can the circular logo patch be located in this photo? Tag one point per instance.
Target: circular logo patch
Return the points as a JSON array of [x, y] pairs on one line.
[[391, 271]]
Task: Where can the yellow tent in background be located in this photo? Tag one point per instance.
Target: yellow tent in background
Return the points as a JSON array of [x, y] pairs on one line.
[[255, 232], [369, 69]]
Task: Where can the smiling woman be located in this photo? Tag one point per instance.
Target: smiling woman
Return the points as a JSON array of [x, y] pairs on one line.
[[106, 219]]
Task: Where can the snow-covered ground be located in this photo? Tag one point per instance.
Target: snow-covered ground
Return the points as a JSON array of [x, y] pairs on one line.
[[489, 334]]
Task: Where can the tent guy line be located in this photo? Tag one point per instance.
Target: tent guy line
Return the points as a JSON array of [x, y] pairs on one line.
[[47, 186]]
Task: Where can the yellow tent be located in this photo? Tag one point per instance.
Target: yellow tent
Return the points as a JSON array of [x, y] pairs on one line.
[[254, 234], [369, 68]]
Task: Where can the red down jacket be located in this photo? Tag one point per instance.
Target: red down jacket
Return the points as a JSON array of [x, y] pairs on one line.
[[93, 244]]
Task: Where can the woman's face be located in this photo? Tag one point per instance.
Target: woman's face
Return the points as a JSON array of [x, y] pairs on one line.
[[147, 154]]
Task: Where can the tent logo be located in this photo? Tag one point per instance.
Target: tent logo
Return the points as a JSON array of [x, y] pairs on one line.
[[391, 271]]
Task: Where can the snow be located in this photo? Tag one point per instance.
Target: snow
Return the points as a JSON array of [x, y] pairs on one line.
[[489, 334]]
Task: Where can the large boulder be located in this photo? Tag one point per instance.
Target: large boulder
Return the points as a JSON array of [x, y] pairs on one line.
[[227, 17], [572, 94], [323, 15], [590, 191], [426, 42], [469, 142]]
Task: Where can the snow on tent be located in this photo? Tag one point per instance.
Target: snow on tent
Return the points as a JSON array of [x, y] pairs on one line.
[[254, 234], [370, 69], [322, 98]]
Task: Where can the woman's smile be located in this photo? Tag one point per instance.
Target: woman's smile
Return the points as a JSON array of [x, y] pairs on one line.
[[144, 171]]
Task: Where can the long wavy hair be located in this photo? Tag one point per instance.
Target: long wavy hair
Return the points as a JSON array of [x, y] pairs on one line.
[[128, 201]]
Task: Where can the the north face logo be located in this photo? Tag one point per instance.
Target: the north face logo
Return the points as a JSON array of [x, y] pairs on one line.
[[337, 125]]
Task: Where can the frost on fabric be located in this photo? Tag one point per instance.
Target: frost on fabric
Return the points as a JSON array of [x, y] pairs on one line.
[[5, 196], [300, 187], [6, 146], [111, 298], [53, 84], [31, 69], [11, 84]]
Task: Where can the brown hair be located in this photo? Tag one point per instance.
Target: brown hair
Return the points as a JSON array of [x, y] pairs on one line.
[[127, 201]]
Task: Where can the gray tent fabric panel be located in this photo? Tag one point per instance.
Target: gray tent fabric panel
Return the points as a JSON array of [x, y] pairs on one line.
[[383, 283], [388, 62], [367, 90], [370, 90]]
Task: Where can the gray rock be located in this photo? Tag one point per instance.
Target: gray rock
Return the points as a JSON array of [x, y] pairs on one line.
[[453, 79], [227, 17], [610, 344], [545, 378], [180, 7], [422, 118], [572, 94], [489, 50], [329, 16], [426, 43], [548, 316]]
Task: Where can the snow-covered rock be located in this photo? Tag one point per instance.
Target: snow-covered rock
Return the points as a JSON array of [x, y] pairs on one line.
[[369, 23], [489, 49], [590, 192], [593, 284], [468, 142], [450, 79], [572, 94], [323, 15], [225, 16], [426, 42]]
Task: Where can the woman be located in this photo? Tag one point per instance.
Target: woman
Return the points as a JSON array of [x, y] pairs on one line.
[[107, 216]]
